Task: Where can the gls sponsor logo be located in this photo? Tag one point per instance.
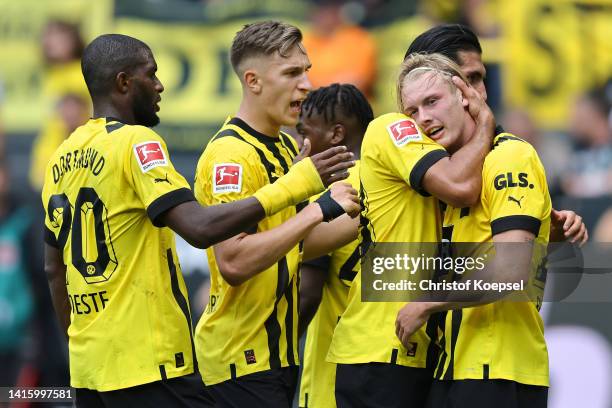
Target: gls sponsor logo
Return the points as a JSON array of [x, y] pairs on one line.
[[506, 180]]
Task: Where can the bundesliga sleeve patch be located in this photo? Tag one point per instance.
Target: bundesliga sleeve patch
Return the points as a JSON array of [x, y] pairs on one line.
[[227, 177], [404, 131], [150, 155]]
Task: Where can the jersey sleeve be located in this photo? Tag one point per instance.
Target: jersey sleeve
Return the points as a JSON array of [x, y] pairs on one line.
[[228, 170], [150, 172], [514, 188], [409, 151]]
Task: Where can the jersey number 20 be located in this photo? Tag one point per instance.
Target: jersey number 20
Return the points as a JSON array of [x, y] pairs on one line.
[[91, 249]]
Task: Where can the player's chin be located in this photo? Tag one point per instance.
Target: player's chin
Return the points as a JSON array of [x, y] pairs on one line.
[[445, 141], [291, 118]]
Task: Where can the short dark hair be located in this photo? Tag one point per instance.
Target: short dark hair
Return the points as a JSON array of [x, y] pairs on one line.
[[445, 39], [108, 55], [263, 38], [339, 98]]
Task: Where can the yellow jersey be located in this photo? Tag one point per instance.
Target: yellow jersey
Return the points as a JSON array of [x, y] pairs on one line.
[[251, 327], [395, 155], [105, 188], [504, 339], [318, 378]]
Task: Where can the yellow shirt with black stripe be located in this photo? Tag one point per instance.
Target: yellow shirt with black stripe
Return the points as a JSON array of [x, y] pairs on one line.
[[504, 339], [319, 376], [396, 208], [251, 327], [130, 321]]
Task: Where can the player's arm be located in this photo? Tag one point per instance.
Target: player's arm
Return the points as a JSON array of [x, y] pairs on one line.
[[457, 179], [329, 236], [56, 276], [311, 290], [171, 203], [511, 264], [202, 227], [245, 255]]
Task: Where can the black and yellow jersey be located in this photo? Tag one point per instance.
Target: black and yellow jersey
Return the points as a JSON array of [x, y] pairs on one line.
[[319, 376], [105, 188], [505, 339], [251, 327], [395, 155]]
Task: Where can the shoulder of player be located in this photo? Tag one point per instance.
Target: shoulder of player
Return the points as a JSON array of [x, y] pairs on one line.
[[397, 129], [384, 120], [226, 146], [509, 145], [133, 135]]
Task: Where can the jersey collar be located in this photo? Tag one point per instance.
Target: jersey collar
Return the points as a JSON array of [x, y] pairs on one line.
[[263, 138]]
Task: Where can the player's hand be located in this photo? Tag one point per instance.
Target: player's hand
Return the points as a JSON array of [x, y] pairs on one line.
[[566, 225], [332, 164], [409, 319], [345, 195], [477, 107]]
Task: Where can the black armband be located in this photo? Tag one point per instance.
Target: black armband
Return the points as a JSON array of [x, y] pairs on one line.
[[329, 207]]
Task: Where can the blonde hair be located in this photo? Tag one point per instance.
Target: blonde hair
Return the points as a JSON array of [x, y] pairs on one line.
[[417, 65]]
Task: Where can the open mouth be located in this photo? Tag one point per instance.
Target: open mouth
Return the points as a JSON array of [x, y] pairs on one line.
[[296, 106], [434, 132]]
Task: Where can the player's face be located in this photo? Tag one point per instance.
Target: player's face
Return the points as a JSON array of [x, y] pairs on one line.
[[474, 70], [315, 129], [438, 108], [147, 88], [285, 86]]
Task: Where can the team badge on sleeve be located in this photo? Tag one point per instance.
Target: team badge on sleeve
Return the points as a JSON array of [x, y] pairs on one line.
[[403, 131], [227, 177], [150, 155]]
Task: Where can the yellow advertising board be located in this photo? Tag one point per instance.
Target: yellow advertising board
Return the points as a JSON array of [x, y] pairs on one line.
[[551, 50], [21, 65], [193, 64]]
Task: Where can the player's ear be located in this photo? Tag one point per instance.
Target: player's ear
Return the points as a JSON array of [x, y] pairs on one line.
[[252, 81], [338, 134], [122, 82]]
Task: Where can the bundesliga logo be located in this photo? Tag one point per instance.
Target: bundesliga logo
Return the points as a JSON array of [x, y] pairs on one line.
[[403, 131], [227, 178], [150, 155]]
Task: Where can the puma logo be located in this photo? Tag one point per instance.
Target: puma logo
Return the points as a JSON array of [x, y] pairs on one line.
[[510, 198], [161, 180]]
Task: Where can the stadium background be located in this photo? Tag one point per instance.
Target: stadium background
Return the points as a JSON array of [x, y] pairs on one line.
[[542, 56]]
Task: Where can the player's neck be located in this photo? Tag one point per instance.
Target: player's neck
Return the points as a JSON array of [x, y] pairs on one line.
[[104, 110], [258, 121]]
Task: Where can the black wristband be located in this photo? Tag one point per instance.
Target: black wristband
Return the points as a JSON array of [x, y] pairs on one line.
[[329, 207]]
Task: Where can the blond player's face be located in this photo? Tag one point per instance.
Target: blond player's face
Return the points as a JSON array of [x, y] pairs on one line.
[[285, 85], [437, 107]]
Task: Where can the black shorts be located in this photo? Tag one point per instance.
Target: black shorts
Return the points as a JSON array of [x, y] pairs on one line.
[[265, 389], [382, 385], [486, 394], [185, 391]]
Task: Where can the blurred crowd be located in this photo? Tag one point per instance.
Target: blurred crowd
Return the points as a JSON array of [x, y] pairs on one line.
[[577, 158]]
